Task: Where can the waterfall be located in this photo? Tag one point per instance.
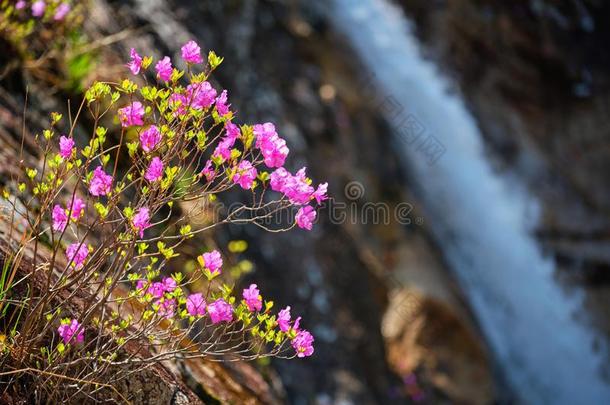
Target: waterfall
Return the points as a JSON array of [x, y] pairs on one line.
[[480, 219]]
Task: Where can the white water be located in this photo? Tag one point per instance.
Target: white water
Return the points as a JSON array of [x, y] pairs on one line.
[[481, 220]]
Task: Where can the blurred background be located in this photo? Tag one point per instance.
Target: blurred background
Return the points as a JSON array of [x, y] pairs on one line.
[[465, 255]]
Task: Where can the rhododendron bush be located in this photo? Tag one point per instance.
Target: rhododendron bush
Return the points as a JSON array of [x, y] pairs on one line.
[[114, 229], [22, 18]]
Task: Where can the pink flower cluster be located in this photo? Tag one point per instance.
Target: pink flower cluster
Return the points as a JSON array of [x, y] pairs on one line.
[[61, 11], [208, 171], [135, 64], [60, 215], [253, 298], [66, 147], [141, 221], [166, 305], [305, 217], [222, 105], [40, 6], [158, 288], [155, 170], [150, 138], [298, 190], [223, 150], [213, 261], [220, 310], [77, 253], [101, 183], [191, 52], [245, 175], [164, 69], [200, 95], [71, 330], [272, 147], [303, 341], [132, 115], [195, 305]]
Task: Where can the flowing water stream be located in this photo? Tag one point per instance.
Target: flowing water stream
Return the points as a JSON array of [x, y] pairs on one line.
[[481, 219]]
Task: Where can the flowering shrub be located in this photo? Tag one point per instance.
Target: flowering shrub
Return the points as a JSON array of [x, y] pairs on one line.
[[46, 39], [21, 18], [113, 229]]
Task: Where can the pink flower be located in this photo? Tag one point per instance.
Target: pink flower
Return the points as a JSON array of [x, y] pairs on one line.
[[303, 344], [20, 4], [195, 305], [278, 179], [62, 10], [60, 218], [305, 217], [141, 284], [38, 8], [297, 324], [66, 147], [101, 183], [273, 147], [141, 221], [156, 289], [253, 299], [132, 114], [155, 170], [77, 253], [275, 152], [297, 188], [178, 103], [223, 149], [78, 208], [220, 310], [191, 53], [283, 319], [135, 64], [213, 261], [264, 133], [321, 193], [221, 104], [232, 130], [150, 138], [201, 95], [67, 331], [169, 284], [245, 175], [208, 171], [164, 69], [167, 307]]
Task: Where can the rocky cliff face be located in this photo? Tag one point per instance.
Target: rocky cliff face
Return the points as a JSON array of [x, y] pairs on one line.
[[347, 278]]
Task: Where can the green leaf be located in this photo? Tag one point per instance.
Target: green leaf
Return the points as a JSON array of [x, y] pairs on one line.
[[185, 230], [31, 173], [214, 60], [101, 209]]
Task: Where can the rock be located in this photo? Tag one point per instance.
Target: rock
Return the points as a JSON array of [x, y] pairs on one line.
[[435, 352], [336, 277]]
